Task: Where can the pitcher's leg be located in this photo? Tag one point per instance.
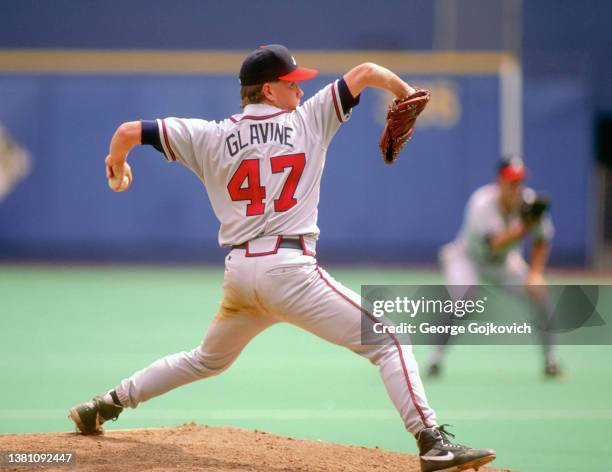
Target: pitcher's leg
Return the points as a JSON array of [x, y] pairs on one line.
[[225, 339], [400, 374], [332, 312]]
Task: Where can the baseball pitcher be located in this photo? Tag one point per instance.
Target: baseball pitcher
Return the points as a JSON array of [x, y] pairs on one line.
[[262, 171]]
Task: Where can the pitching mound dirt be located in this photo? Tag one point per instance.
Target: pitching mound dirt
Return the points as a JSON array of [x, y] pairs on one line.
[[201, 448]]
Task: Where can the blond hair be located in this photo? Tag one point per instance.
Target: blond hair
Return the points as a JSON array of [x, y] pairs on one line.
[[250, 94]]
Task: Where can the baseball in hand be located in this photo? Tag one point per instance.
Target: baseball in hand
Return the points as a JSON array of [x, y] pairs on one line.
[[119, 187], [117, 183]]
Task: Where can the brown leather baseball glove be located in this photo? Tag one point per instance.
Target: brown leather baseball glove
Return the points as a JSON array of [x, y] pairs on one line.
[[401, 118]]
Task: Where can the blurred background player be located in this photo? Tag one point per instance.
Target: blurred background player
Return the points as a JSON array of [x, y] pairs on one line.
[[487, 250]]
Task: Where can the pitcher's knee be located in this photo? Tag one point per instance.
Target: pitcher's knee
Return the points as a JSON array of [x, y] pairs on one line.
[[207, 365], [375, 353]]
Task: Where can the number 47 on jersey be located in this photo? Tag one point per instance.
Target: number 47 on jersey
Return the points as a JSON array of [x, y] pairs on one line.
[[254, 193]]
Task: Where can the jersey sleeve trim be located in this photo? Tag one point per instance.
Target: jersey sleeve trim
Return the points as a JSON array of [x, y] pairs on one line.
[[149, 134], [346, 97], [168, 152], [335, 100], [342, 113]]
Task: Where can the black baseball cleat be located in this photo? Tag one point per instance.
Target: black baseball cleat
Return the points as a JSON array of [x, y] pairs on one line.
[[554, 370], [89, 416], [437, 453], [433, 370]]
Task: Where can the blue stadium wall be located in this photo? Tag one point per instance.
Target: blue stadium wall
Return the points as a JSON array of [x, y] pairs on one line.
[[369, 212]]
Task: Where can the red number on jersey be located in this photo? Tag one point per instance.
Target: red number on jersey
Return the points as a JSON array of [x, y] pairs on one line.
[[249, 170], [279, 163], [255, 193]]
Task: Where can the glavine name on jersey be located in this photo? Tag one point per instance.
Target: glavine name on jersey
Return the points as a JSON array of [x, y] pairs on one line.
[[259, 133]]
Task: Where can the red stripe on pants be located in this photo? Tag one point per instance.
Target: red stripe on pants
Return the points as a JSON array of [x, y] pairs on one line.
[[393, 338]]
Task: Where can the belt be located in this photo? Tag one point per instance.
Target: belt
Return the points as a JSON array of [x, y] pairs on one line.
[[285, 243]]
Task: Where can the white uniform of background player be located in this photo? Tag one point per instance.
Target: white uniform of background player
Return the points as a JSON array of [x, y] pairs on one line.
[[262, 171], [488, 247]]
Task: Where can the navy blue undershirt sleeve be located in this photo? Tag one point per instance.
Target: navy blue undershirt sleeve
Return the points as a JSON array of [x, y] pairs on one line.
[[346, 98], [150, 134]]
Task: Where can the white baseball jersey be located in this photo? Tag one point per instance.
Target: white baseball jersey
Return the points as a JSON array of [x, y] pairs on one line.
[[484, 218], [262, 169]]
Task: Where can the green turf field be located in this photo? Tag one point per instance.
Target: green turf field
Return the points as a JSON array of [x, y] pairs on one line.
[[69, 333]]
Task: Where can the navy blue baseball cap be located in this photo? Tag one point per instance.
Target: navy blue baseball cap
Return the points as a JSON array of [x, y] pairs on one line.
[[270, 63]]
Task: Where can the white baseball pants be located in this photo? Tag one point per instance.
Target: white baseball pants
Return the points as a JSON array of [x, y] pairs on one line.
[[287, 286], [462, 271]]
